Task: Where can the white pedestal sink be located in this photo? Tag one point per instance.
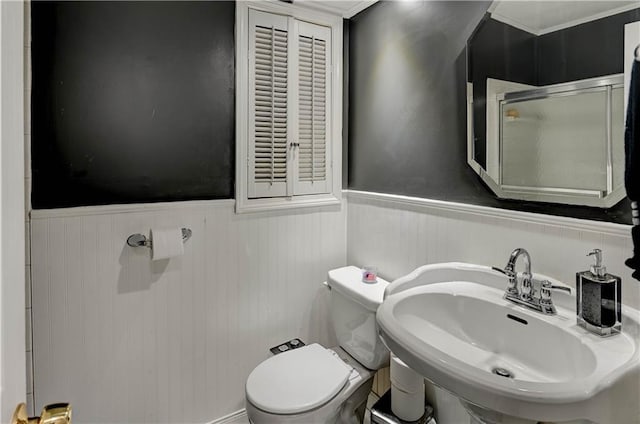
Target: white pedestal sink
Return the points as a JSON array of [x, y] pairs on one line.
[[450, 323]]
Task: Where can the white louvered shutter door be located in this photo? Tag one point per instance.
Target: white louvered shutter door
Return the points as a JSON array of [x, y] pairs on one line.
[[312, 169], [268, 104]]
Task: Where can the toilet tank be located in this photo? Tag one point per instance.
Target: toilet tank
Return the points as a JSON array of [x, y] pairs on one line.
[[353, 312]]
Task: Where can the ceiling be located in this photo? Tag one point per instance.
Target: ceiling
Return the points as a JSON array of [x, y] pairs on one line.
[[346, 9], [541, 17], [537, 17]]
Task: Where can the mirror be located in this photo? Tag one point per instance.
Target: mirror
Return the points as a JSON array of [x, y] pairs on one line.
[[545, 100]]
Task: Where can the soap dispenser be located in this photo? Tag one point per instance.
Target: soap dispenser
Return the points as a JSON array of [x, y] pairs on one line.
[[598, 299]]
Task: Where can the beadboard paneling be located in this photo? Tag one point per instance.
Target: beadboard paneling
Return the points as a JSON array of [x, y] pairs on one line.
[[125, 339], [128, 340], [398, 234]]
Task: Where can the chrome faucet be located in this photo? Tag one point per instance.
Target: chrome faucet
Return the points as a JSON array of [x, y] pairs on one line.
[[526, 296]]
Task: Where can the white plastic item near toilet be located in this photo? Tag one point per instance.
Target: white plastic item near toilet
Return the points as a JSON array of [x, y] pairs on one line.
[[309, 384]]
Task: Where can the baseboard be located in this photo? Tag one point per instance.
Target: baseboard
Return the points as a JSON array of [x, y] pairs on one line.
[[231, 418]]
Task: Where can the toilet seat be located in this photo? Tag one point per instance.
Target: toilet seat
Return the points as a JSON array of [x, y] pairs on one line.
[[297, 381]]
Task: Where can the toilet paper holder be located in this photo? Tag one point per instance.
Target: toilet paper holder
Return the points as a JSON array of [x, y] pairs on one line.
[[140, 240]]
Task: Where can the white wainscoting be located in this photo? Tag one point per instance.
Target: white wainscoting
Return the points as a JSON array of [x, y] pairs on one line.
[[128, 340], [398, 233]]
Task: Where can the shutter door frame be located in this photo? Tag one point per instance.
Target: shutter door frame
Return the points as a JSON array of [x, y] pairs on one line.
[[274, 188], [313, 31], [243, 202]]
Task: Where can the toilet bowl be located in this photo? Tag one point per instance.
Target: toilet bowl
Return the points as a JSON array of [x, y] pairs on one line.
[[314, 384]]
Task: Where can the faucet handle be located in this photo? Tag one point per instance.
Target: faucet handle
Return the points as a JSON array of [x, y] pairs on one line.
[[512, 288], [545, 291], [508, 271], [548, 285]]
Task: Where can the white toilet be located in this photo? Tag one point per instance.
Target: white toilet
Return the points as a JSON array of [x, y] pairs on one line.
[[314, 384]]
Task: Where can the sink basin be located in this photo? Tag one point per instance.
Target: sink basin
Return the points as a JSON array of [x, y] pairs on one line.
[[450, 323]]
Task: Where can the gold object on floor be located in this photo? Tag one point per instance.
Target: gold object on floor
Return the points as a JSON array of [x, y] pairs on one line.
[[55, 413]]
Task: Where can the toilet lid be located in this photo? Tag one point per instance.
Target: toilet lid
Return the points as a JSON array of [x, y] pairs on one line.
[[297, 381]]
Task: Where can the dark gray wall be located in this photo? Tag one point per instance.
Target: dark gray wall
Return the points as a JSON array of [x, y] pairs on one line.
[[407, 99], [132, 102], [407, 107]]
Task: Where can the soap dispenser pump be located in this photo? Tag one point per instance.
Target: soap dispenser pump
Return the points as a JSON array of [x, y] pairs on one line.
[[598, 298]]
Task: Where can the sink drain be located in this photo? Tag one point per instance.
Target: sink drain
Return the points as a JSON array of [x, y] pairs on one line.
[[502, 372]]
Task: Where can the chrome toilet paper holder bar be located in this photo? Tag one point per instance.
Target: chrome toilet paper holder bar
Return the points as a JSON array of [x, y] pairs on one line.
[[140, 240]]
